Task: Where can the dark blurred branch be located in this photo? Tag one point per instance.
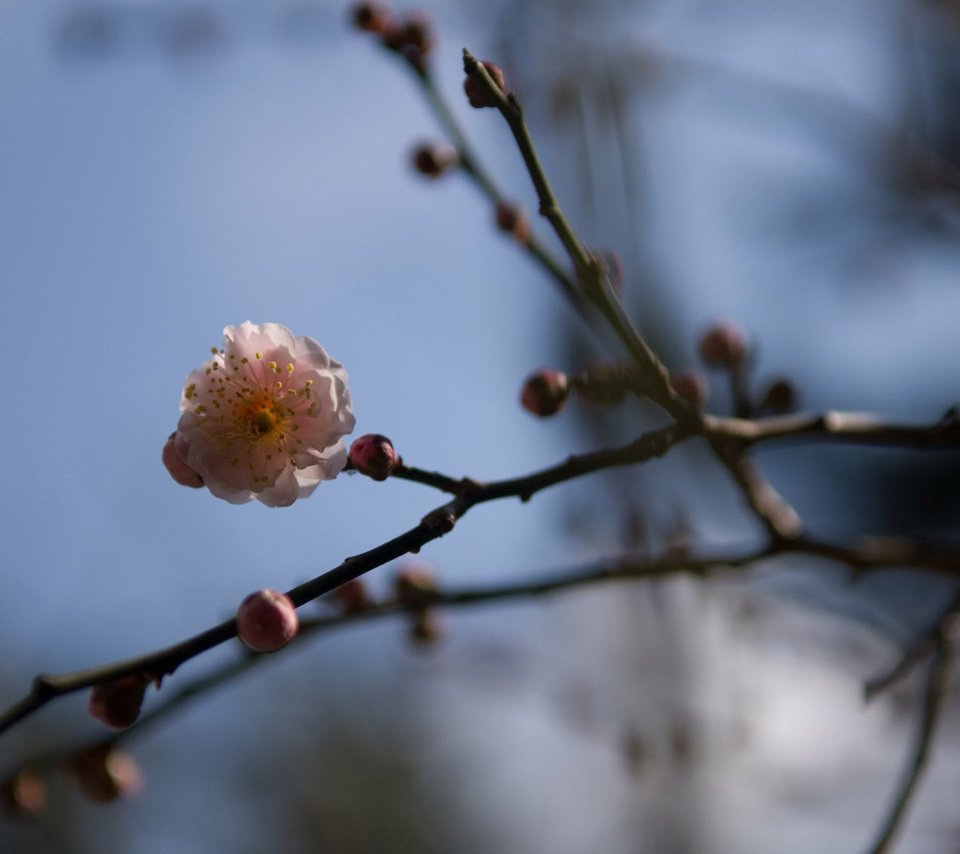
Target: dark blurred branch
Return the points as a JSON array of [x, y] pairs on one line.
[[866, 555], [933, 700]]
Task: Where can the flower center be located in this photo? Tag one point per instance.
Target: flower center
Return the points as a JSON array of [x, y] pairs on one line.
[[263, 422]]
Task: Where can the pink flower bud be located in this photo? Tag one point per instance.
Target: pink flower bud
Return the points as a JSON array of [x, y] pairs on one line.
[[25, 794], [415, 586], [476, 91], [117, 704], [433, 160], [545, 392], [692, 387], [352, 596], [267, 621], [724, 346], [512, 220], [374, 456], [179, 470], [105, 774]]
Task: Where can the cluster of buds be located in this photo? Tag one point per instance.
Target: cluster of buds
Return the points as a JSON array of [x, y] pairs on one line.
[[415, 588], [374, 455], [267, 621], [477, 91], [410, 37], [432, 160]]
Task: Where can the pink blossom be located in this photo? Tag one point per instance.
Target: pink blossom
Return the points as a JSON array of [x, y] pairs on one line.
[[265, 417]]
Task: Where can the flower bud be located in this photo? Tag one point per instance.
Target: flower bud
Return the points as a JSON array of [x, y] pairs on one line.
[[25, 794], [426, 628], [415, 586], [692, 387], [267, 621], [512, 220], [179, 470], [352, 596], [117, 704], [372, 17], [374, 456], [779, 398], [476, 90], [105, 774], [723, 346], [433, 160], [545, 392]]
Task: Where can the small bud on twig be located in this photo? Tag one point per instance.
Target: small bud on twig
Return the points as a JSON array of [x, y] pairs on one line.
[[545, 392], [476, 89], [267, 621], [433, 160], [512, 220], [415, 586], [426, 628], [117, 703], [723, 346], [372, 17], [692, 387], [373, 455], [779, 398], [352, 596], [105, 774]]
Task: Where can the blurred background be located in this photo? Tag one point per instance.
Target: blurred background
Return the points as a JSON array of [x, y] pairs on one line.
[[173, 167]]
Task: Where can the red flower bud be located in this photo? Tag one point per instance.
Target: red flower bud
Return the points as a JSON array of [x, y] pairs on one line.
[[433, 160], [374, 456], [724, 346], [117, 704], [692, 387], [372, 17], [512, 220], [477, 92], [179, 470], [545, 392], [267, 621]]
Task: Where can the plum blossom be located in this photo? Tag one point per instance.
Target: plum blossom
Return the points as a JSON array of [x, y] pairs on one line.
[[265, 416]]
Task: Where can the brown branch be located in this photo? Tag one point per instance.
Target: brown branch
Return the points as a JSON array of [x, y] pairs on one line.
[[435, 524], [854, 428]]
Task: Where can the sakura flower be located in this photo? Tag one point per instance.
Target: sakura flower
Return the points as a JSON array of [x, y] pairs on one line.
[[264, 418]]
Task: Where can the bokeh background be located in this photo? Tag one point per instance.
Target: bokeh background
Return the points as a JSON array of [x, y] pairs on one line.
[[172, 167]]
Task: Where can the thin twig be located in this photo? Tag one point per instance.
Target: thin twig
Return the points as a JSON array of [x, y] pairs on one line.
[[933, 701], [435, 524]]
